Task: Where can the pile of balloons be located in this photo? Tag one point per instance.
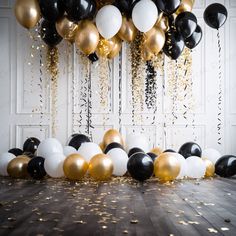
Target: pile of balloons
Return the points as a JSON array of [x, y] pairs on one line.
[[81, 156], [167, 25]]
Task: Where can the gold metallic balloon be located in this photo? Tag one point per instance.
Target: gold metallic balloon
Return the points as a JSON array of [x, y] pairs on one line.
[[157, 151], [102, 146], [27, 12], [210, 168], [75, 167], [101, 167], [146, 54], [163, 22], [155, 40], [166, 167], [116, 44], [67, 29], [127, 31], [104, 48], [87, 37], [185, 5], [112, 136], [17, 167]]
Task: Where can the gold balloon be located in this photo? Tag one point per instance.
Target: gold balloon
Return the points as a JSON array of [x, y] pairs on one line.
[[166, 167], [87, 37], [104, 48], [146, 54], [163, 22], [100, 167], [27, 12], [75, 167], [185, 5], [17, 167], [127, 31], [112, 136], [155, 40], [66, 28], [157, 151], [116, 44], [102, 146], [210, 168]]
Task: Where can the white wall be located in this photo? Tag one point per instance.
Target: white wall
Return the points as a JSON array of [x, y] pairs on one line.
[[19, 90]]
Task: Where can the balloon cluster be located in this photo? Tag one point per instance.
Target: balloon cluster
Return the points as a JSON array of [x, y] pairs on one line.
[[81, 156], [167, 25]]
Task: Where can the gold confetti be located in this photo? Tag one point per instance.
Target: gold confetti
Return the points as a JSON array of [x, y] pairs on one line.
[[212, 230], [134, 221], [224, 229], [125, 231]]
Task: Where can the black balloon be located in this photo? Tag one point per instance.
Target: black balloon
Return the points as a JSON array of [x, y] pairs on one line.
[[168, 6], [186, 23], [174, 44], [169, 150], [36, 168], [80, 9], [194, 39], [28, 154], [215, 15], [140, 166], [49, 33], [111, 146], [125, 6], [152, 155], [77, 139], [52, 10], [190, 149], [226, 166], [93, 57], [134, 150], [16, 151], [31, 145]]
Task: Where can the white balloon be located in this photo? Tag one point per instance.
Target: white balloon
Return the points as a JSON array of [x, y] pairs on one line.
[[108, 21], [53, 165], [120, 159], [5, 158], [49, 146], [68, 150], [196, 167], [144, 15], [89, 150], [211, 154], [183, 165], [137, 140]]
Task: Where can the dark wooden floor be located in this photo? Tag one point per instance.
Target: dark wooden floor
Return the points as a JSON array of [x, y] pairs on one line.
[[119, 207]]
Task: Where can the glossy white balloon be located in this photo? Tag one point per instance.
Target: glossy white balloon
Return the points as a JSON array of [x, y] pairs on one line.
[[211, 154], [196, 167], [5, 158], [68, 150], [144, 15], [53, 165], [89, 150], [120, 159], [138, 141], [49, 146], [183, 165], [108, 21]]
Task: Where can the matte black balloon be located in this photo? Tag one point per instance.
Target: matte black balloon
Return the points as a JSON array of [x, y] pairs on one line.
[[93, 57], [190, 149], [140, 166], [134, 150], [226, 166], [111, 146], [49, 33], [215, 15], [31, 145], [77, 139], [36, 168], [152, 155], [168, 6], [194, 39], [186, 23], [126, 6], [174, 44], [52, 10], [80, 9], [169, 150], [16, 151], [29, 154]]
